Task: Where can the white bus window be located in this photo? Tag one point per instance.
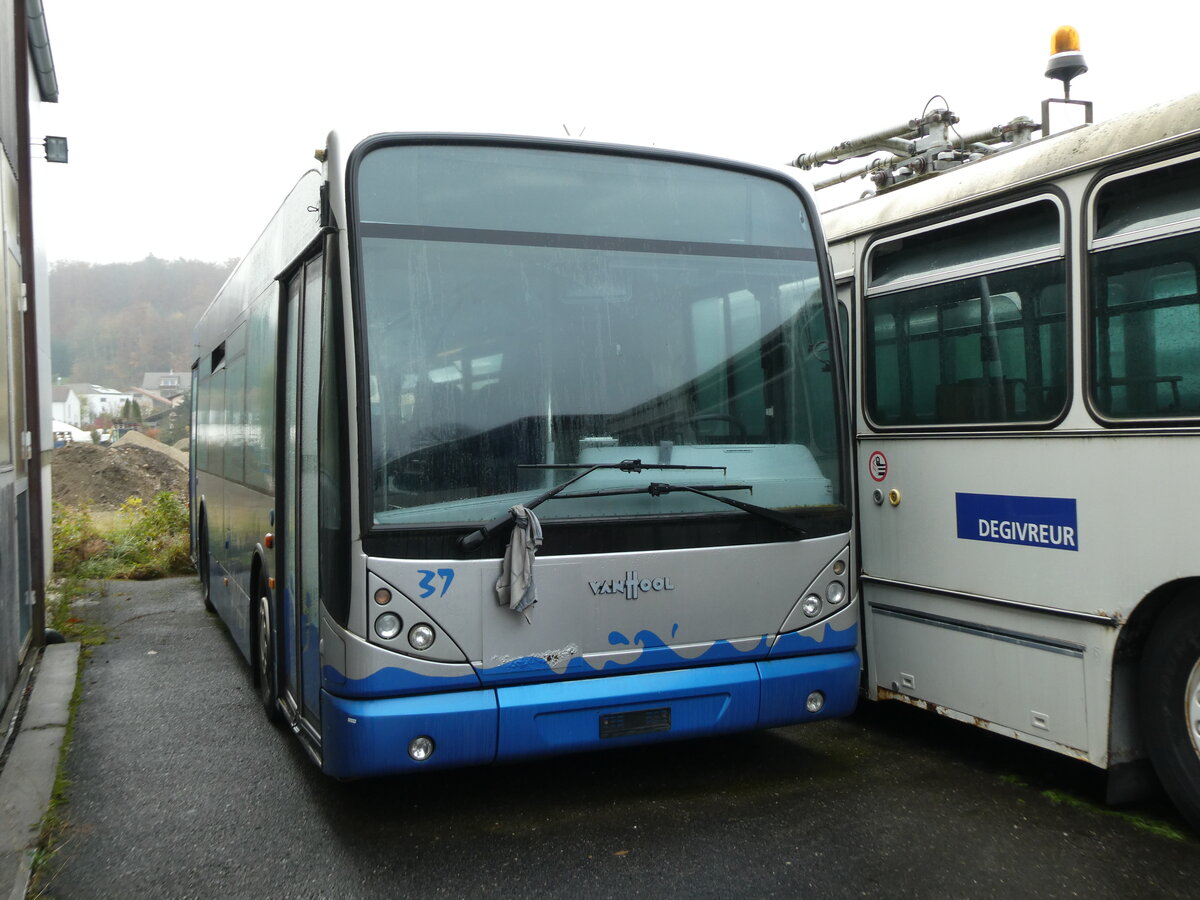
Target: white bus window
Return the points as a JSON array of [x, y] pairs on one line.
[[1032, 229], [1145, 310], [1158, 198], [1146, 330], [987, 348]]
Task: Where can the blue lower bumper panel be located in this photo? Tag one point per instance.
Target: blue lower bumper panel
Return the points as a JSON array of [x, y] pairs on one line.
[[372, 737]]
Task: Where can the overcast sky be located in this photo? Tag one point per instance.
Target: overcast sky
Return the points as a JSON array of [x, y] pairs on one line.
[[188, 122]]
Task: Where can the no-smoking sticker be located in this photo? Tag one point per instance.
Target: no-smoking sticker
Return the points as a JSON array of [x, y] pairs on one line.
[[877, 466]]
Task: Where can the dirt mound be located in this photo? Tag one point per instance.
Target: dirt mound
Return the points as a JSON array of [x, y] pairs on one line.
[[136, 437], [106, 477]]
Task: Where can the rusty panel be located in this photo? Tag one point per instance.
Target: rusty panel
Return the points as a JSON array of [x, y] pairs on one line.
[[999, 677]]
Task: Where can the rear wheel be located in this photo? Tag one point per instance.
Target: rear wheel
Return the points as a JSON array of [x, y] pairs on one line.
[[1170, 704], [264, 657]]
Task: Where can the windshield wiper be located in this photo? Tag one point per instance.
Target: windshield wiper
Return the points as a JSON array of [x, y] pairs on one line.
[[658, 488], [478, 536]]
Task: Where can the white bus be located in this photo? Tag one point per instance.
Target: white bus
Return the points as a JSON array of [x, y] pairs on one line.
[[1027, 375], [438, 335]]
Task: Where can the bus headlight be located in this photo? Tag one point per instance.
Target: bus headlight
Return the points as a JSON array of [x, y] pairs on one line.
[[811, 605], [421, 637], [835, 593], [388, 626], [420, 748], [815, 702], [383, 596]]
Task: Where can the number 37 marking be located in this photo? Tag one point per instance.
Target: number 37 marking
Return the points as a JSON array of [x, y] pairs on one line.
[[428, 588]]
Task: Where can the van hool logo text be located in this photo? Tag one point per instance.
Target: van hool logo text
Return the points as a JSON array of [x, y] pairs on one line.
[[630, 585]]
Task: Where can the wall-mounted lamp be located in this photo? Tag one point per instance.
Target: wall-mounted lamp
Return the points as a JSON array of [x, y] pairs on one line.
[[56, 149]]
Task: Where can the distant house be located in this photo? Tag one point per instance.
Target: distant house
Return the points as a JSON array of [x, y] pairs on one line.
[[96, 400], [151, 401], [161, 390], [64, 405], [167, 385]]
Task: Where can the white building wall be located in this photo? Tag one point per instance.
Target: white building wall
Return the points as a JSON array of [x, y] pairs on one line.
[[67, 410]]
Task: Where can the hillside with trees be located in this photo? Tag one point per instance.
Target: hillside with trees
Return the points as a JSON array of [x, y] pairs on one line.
[[111, 323]]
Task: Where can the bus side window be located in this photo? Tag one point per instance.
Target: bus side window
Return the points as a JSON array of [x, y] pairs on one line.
[[202, 437], [977, 339], [1144, 303]]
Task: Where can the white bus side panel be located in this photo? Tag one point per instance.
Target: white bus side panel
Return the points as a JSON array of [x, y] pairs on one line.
[[1044, 675]]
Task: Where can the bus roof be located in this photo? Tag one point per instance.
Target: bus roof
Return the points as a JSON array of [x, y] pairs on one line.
[[1027, 164]]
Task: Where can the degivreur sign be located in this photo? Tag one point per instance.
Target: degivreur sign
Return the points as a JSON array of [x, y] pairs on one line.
[[1049, 522]]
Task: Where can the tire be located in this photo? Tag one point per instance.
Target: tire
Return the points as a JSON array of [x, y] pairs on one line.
[[264, 657], [1169, 694]]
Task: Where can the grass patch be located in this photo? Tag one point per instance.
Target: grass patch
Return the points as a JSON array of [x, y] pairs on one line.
[[1142, 823], [1137, 820], [63, 615]]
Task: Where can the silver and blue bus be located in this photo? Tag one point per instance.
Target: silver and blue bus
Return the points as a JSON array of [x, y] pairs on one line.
[[608, 378]]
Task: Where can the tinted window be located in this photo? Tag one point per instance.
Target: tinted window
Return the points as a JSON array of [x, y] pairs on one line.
[[973, 349], [1145, 315], [1149, 199], [990, 239]]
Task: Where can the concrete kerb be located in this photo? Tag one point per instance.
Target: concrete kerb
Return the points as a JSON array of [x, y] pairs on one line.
[[27, 780]]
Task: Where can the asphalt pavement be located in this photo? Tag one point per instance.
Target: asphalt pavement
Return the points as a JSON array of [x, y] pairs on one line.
[[180, 788]]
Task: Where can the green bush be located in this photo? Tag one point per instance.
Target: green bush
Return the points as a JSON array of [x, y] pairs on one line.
[[149, 540], [75, 539], [155, 539]]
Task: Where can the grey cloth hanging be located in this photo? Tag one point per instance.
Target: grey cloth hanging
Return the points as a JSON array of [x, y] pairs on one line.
[[515, 588]]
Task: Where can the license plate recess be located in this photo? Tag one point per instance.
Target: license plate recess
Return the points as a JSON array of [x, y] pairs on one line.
[[638, 721]]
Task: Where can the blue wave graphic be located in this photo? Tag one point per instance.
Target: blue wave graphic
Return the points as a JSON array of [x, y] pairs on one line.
[[655, 654]]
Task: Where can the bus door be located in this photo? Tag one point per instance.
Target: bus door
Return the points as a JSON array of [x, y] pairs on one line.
[[299, 614]]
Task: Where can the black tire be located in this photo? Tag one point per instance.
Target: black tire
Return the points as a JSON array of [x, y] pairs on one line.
[[1169, 694], [202, 566], [264, 656]]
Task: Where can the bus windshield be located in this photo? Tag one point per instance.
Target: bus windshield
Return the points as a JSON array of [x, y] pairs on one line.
[[622, 308]]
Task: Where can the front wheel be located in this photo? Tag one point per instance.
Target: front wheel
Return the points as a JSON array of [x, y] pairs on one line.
[[1170, 704], [264, 658]]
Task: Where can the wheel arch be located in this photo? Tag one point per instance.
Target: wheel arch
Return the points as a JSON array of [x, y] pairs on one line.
[[1136, 631], [1125, 742]]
